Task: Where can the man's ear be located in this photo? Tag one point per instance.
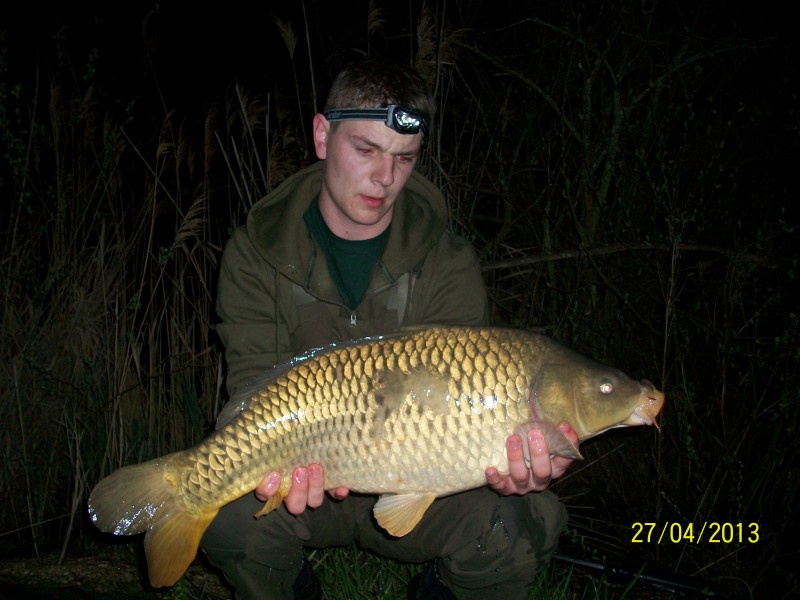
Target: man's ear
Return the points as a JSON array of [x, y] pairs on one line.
[[322, 129]]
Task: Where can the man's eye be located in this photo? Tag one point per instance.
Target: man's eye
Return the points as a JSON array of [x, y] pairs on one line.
[[364, 151]]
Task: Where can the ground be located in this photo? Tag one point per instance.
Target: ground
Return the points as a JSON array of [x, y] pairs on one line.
[[97, 578], [120, 575]]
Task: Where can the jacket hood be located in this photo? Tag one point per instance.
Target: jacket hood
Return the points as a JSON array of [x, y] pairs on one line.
[[276, 228]]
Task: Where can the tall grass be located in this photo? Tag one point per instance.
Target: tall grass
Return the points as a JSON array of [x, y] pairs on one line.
[[105, 331], [615, 169]]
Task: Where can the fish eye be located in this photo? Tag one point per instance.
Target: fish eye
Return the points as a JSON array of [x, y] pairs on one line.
[[606, 387]]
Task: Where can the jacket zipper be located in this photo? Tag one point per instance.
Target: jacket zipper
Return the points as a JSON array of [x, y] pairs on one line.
[[353, 315]]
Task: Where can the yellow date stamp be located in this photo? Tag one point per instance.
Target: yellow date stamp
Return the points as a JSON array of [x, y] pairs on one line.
[[709, 532]]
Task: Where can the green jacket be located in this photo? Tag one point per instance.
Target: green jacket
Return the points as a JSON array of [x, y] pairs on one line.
[[276, 298]]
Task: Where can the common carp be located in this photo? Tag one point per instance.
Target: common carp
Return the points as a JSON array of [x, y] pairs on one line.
[[410, 416]]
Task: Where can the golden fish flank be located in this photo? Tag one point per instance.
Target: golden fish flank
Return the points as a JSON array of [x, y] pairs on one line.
[[411, 416]]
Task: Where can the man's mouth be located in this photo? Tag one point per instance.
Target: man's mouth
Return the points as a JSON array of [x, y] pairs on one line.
[[372, 201]]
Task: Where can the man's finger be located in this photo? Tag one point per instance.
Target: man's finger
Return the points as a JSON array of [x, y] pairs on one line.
[[517, 469], [541, 467], [316, 486], [268, 486], [339, 493], [297, 498]]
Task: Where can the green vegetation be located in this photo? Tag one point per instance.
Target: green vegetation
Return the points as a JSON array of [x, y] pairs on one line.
[[623, 171]]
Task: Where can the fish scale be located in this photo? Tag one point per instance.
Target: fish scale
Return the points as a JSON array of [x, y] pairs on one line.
[[411, 416], [354, 366]]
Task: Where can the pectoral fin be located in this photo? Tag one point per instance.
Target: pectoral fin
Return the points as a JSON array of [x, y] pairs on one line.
[[558, 444], [399, 513]]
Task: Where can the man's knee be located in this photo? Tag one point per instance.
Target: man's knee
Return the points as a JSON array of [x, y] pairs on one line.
[[517, 538], [267, 553], [253, 554]]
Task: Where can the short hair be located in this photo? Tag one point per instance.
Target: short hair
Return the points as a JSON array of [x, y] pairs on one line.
[[377, 84]]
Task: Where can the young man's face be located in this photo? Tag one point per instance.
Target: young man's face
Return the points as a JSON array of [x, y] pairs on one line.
[[366, 166]]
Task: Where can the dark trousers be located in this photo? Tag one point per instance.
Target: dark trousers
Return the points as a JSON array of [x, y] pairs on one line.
[[489, 546]]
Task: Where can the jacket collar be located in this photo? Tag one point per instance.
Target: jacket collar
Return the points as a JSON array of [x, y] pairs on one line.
[[276, 227]]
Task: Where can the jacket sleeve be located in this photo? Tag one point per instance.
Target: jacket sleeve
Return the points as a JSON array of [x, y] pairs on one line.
[[253, 325], [450, 289]]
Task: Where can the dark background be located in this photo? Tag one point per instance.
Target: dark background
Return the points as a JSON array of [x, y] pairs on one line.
[[627, 172]]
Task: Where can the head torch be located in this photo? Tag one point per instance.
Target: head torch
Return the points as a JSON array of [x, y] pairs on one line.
[[401, 119]]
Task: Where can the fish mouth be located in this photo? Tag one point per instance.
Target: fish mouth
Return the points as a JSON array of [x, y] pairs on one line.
[[645, 413]]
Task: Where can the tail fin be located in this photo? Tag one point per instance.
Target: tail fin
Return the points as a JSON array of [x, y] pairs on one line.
[[141, 498]]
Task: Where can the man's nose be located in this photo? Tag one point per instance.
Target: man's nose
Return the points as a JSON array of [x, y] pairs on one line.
[[384, 171]]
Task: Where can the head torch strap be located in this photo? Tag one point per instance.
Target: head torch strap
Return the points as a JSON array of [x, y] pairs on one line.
[[402, 120]]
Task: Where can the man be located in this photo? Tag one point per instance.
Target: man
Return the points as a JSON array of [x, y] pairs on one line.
[[358, 245]]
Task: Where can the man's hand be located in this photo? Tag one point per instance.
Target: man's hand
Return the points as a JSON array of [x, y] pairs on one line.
[[308, 488], [521, 479]]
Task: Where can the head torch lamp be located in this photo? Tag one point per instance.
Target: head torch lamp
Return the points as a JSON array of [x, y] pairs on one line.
[[401, 119]]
